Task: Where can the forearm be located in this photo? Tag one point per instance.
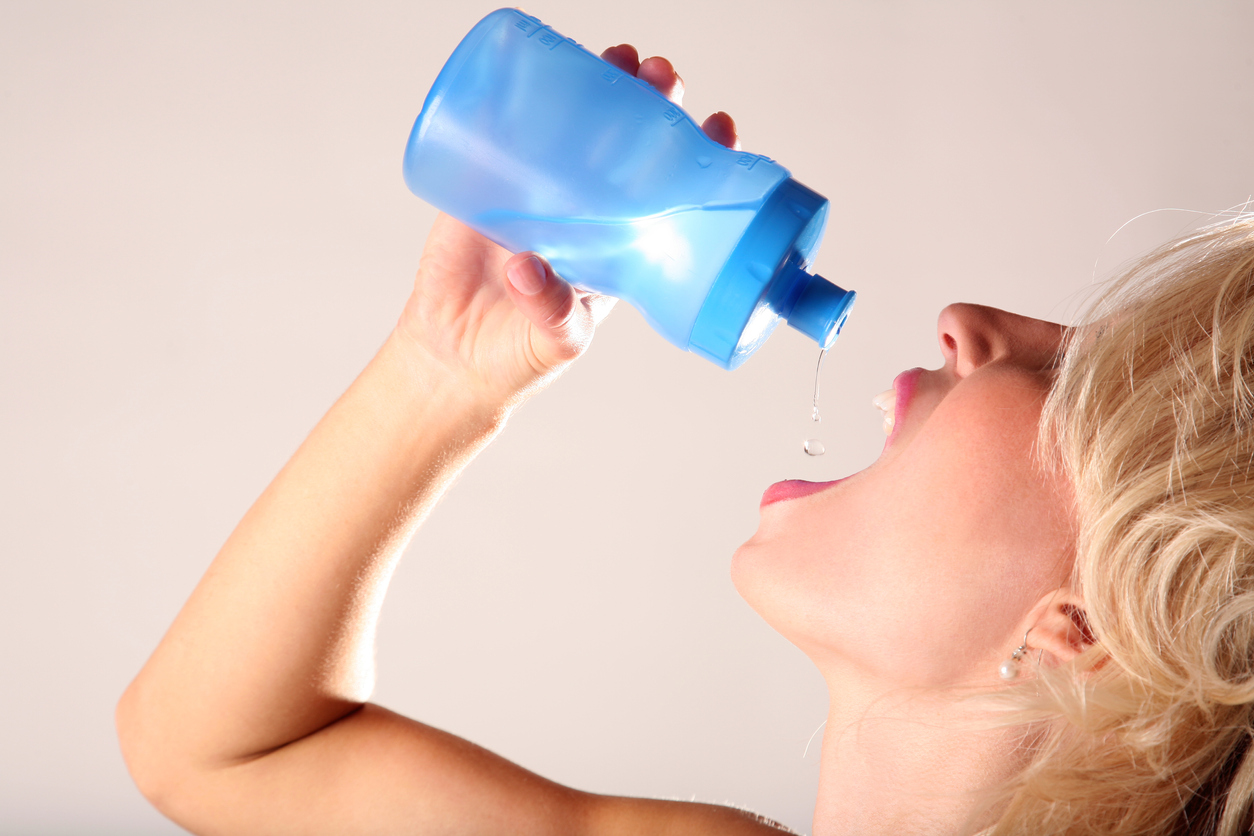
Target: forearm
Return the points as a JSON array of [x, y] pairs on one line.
[[276, 641]]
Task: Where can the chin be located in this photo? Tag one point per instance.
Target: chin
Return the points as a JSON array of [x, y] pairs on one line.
[[742, 567], [764, 582], [801, 589], [747, 573]]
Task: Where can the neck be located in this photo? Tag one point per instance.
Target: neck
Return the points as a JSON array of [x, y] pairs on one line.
[[906, 763]]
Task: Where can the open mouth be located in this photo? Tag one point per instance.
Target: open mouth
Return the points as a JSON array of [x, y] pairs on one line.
[[886, 403], [895, 403]]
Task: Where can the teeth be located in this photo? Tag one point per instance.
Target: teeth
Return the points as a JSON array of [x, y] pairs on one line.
[[886, 402]]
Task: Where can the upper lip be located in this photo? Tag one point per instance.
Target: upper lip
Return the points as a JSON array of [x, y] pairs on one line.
[[903, 385]]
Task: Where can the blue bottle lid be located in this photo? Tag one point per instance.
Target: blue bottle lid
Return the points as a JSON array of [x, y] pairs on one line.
[[765, 279]]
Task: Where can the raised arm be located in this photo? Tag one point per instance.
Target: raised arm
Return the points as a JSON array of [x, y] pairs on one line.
[[252, 714]]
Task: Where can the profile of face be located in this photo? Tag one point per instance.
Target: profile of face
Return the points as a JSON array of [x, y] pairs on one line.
[[919, 570]]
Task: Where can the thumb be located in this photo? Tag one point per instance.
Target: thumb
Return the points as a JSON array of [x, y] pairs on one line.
[[562, 324]]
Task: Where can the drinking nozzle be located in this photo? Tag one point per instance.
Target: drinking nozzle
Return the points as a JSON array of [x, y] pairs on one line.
[[820, 307]]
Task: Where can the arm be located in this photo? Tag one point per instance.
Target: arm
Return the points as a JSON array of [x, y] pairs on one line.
[[251, 715], [260, 682]]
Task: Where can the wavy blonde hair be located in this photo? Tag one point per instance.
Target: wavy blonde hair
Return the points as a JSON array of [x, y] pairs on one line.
[[1152, 419]]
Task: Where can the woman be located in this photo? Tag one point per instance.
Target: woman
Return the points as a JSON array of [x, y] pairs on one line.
[[1034, 612]]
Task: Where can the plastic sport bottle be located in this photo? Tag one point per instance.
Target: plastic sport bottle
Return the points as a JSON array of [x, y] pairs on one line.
[[540, 145]]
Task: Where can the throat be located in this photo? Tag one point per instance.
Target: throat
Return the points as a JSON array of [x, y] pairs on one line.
[[909, 764]]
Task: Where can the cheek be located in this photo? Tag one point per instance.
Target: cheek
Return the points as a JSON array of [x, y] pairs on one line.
[[976, 537]]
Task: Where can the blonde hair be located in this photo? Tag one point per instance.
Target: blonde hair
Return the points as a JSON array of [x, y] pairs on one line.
[[1152, 419]]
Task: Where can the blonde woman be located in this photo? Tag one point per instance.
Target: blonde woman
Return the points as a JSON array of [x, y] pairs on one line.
[[1034, 612]]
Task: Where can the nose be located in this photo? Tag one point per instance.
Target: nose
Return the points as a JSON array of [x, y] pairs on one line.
[[974, 335]]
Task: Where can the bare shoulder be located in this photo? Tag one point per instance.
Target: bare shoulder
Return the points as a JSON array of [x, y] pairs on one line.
[[618, 816]]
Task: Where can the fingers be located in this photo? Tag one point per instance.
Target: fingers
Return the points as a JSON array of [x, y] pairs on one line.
[[562, 318], [721, 128], [661, 74], [623, 56], [656, 70]]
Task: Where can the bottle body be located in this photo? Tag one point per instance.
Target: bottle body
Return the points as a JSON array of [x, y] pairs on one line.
[[541, 145]]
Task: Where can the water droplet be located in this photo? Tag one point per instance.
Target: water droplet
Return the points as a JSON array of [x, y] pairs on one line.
[[815, 400], [812, 446]]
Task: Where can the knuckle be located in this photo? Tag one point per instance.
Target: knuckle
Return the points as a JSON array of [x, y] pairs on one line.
[[560, 311]]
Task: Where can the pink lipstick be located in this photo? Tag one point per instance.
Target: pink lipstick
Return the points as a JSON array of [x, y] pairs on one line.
[[793, 489], [903, 385]]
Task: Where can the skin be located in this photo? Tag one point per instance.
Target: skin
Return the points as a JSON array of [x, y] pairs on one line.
[[912, 580], [252, 715]]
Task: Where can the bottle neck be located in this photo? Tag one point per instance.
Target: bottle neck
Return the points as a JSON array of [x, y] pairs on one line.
[[813, 305]]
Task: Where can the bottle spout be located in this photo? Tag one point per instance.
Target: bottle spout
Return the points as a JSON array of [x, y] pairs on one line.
[[821, 309]]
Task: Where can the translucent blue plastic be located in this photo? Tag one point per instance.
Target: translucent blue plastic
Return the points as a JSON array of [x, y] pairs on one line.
[[540, 145]]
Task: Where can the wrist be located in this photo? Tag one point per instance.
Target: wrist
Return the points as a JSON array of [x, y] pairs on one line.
[[451, 394]]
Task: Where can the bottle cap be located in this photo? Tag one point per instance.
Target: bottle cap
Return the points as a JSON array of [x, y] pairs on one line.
[[765, 279], [820, 309]]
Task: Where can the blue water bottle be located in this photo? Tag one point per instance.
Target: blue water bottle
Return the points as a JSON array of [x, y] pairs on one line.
[[541, 145]]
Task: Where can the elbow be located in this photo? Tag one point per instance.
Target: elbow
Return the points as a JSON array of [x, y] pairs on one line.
[[159, 762], [153, 767]]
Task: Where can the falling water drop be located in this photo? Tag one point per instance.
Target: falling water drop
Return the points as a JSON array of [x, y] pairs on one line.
[[814, 446], [815, 400]]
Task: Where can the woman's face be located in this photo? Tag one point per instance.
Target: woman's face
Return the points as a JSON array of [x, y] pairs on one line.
[[920, 569]]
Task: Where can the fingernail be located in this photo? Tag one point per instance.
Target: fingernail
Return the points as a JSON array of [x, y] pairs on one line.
[[527, 276]]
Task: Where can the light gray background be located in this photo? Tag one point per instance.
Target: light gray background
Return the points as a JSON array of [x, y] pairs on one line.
[[204, 235]]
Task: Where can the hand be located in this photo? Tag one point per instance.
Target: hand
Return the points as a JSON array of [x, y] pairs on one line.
[[658, 71], [507, 324]]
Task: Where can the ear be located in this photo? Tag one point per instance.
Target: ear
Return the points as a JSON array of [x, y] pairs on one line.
[[1059, 626]]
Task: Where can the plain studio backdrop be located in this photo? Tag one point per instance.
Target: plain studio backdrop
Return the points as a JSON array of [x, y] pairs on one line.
[[204, 235]]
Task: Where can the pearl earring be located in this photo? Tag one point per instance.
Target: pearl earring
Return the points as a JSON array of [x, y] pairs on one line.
[[1009, 669]]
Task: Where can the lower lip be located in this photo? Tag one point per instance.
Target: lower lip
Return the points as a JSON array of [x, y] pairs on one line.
[[793, 489]]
